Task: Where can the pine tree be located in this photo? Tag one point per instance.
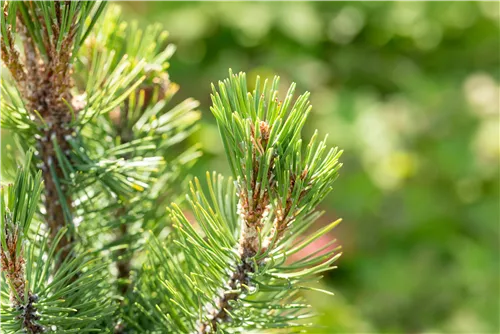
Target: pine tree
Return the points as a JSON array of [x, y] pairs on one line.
[[87, 243]]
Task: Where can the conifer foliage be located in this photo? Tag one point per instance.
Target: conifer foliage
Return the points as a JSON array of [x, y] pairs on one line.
[[90, 241]]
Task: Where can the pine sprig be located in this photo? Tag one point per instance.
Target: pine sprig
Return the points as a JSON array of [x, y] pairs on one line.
[[58, 301], [38, 295], [235, 265], [18, 204]]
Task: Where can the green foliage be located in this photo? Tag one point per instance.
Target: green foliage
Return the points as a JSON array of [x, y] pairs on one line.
[[410, 91], [19, 202], [114, 74], [106, 150], [62, 303], [51, 298], [110, 147], [132, 152], [211, 280], [57, 22], [263, 136]]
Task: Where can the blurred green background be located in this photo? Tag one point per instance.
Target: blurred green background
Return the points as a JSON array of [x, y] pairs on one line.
[[410, 91]]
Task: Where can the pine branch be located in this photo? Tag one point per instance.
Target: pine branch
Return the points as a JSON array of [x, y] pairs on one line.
[[51, 34], [232, 275], [35, 285], [272, 180], [18, 205]]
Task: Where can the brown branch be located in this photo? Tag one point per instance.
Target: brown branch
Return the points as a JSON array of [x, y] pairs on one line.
[[283, 216], [220, 314], [252, 217], [29, 316], [253, 212], [13, 266], [52, 88], [45, 85], [123, 262], [55, 216], [157, 91], [57, 5]]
